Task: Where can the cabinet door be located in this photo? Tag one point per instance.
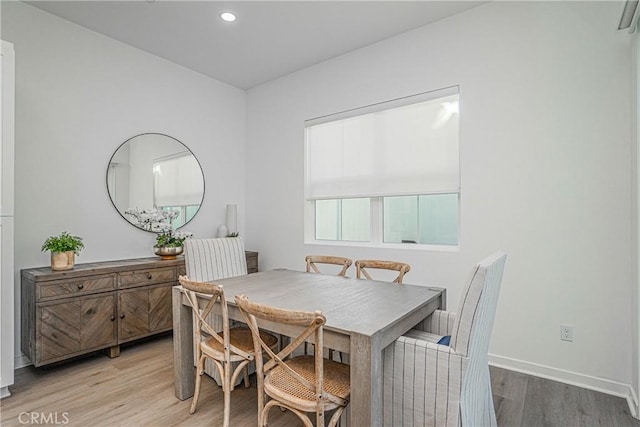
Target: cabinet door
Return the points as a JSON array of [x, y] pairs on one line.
[[73, 326], [98, 322], [58, 330], [160, 309], [133, 314]]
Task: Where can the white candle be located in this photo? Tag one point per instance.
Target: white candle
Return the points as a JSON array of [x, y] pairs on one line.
[[232, 218]]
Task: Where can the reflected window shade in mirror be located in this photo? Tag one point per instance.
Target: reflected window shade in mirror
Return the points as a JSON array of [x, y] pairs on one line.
[[177, 180], [152, 178]]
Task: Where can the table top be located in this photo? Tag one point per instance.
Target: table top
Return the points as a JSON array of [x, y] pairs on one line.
[[350, 305]]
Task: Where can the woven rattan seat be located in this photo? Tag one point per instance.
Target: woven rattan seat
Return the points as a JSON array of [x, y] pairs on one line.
[[336, 382], [303, 384], [362, 264], [240, 337], [222, 348]]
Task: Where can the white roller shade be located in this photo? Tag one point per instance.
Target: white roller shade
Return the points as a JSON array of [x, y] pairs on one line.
[[407, 146], [177, 181]]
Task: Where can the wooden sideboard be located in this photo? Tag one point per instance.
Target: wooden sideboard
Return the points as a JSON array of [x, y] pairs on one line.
[[98, 305]]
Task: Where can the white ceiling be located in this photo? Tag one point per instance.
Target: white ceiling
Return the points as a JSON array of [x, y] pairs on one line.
[[268, 40]]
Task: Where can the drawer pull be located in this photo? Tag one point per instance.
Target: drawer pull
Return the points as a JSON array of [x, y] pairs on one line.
[[149, 276], [122, 316], [80, 286], [113, 318]]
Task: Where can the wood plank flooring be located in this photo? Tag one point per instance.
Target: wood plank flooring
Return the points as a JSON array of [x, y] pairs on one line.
[[136, 389]]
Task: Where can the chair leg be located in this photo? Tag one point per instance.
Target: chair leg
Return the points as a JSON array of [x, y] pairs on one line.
[[262, 416], [196, 394], [245, 373], [335, 419], [226, 390], [227, 407], [331, 351], [320, 417]]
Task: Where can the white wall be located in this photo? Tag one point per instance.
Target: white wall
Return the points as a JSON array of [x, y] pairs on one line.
[[79, 95], [545, 165]]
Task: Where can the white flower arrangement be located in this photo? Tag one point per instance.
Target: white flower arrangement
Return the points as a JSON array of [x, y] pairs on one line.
[[156, 220], [159, 221]]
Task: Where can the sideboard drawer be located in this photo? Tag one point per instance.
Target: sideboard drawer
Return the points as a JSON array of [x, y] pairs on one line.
[[130, 279], [75, 287]]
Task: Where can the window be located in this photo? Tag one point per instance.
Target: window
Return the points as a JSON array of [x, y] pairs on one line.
[[343, 219], [387, 173]]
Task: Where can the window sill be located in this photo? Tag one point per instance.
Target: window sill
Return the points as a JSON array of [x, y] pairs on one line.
[[395, 246]]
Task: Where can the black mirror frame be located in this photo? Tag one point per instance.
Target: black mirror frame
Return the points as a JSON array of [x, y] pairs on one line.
[[122, 214]]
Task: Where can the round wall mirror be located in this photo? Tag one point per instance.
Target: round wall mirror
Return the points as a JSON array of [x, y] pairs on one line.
[[155, 182]]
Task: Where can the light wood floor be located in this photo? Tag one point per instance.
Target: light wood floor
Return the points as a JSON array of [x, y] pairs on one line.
[[136, 389]]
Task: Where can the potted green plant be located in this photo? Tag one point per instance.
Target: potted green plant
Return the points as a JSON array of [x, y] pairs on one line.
[[170, 244], [63, 249]]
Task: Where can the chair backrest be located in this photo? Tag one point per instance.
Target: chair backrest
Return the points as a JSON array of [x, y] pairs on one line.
[[214, 259], [312, 260], [363, 264], [207, 295], [312, 322], [476, 312]]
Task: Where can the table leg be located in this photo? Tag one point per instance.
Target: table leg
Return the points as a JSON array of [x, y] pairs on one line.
[[366, 382], [183, 370]]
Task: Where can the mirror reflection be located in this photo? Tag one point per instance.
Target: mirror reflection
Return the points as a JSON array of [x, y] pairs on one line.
[[155, 182]]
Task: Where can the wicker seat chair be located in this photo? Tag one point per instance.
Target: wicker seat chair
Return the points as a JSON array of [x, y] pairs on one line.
[[426, 381], [221, 347], [363, 264], [212, 259], [312, 260], [301, 384]]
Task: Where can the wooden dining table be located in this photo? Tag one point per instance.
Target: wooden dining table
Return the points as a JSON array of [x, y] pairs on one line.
[[363, 317]]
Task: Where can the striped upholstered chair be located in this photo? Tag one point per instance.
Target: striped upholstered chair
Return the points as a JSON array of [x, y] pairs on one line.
[[214, 259], [431, 384]]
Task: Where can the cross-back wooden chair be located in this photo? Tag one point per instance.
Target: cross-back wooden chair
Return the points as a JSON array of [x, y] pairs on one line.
[[212, 259], [301, 384], [312, 260], [363, 264], [221, 347]]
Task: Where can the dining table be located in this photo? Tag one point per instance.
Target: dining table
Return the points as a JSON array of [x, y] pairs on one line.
[[362, 318]]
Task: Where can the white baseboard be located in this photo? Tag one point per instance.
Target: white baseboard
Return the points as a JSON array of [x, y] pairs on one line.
[[4, 392], [602, 385], [634, 404]]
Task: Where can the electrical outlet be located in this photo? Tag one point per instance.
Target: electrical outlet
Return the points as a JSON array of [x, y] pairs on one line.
[[566, 333]]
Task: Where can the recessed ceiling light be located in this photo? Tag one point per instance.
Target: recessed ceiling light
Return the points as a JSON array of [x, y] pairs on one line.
[[228, 16]]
